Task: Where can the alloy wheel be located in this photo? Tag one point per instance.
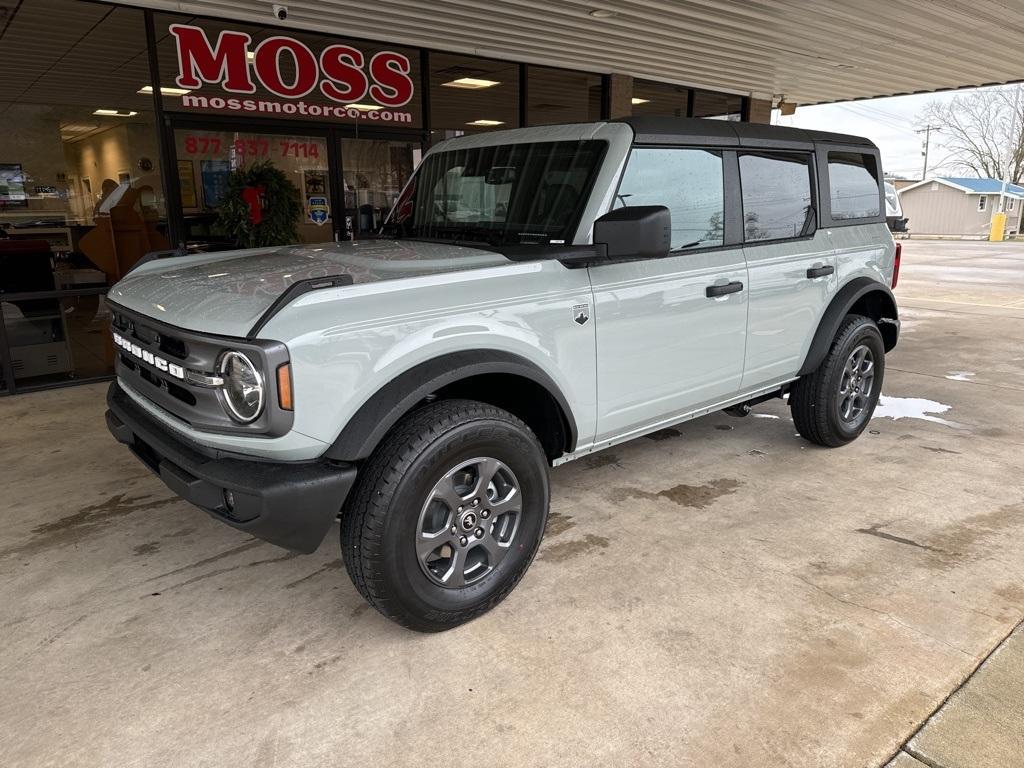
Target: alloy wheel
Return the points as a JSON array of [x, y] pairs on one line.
[[468, 523], [855, 384]]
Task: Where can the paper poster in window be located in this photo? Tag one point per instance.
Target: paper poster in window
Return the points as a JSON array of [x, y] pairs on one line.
[[215, 175], [12, 186], [187, 180], [316, 183]]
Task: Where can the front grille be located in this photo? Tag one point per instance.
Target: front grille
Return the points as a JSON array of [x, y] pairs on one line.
[[151, 378], [161, 356], [173, 347], [142, 331]]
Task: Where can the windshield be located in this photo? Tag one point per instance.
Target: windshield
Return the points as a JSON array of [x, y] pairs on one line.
[[510, 194]]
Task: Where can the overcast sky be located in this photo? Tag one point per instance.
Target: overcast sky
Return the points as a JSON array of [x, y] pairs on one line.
[[890, 123]]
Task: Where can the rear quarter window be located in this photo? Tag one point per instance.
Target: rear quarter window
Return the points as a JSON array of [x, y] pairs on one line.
[[853, 185]]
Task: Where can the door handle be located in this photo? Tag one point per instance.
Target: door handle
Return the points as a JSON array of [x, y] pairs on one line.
[[713, 291], [814, 272]]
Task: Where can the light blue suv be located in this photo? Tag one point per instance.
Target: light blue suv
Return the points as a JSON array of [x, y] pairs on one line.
[[536, 295]]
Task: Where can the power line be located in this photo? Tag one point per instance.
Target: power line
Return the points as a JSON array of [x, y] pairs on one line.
[[884, 121]]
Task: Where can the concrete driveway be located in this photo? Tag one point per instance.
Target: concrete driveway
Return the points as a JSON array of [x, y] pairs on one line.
[[724, 594]]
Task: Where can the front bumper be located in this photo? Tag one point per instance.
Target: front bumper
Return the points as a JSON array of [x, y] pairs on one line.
[[290, 504]]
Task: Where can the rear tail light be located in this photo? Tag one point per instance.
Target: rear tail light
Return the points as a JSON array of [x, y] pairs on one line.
[[896, 264]]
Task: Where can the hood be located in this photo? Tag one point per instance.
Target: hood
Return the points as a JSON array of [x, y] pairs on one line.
[[227, 293]]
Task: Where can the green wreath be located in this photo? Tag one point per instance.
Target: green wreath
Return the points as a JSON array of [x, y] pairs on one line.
[[281, 207]]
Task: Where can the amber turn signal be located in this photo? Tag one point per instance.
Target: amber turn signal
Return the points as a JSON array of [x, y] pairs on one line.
[[284, 386]]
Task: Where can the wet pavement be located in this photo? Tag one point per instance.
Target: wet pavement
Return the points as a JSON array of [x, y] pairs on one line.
[[721, 593]]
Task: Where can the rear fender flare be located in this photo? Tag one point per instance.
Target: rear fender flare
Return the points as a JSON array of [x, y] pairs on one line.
[[861, 289]]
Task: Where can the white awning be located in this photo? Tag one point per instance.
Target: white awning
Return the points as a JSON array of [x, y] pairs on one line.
[[808, 51]]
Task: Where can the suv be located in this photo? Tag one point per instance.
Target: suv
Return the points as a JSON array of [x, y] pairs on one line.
[[535, 295]]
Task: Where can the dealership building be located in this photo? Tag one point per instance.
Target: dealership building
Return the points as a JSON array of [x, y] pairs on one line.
[[120, 126]]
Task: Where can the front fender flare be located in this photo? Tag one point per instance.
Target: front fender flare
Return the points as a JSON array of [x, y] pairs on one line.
[[381, 412]]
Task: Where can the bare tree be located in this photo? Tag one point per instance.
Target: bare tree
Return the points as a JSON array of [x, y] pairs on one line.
[[980, 132]]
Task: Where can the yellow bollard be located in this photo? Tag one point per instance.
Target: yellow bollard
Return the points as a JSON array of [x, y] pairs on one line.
[[998, 227]]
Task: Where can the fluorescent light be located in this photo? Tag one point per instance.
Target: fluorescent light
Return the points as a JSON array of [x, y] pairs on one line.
[[487, 122], [638, 100], [147, 90], [601, 13], [365, 107], [114, 113], [472, 83]]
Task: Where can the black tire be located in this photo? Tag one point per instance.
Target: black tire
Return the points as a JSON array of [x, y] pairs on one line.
[[381, 524], [815, 401]]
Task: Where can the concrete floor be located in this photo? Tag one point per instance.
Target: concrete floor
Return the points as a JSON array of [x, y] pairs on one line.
[[727, 596]]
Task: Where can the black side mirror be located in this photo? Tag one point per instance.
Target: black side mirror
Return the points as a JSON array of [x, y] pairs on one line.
[[637, 232]]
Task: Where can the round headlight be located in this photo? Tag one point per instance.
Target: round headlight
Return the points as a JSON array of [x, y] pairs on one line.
[[243, 387]]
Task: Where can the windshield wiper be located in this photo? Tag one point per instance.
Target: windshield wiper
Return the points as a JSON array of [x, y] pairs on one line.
[[463, 235]]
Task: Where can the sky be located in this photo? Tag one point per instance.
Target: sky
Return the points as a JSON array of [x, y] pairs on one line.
[[890, 123]]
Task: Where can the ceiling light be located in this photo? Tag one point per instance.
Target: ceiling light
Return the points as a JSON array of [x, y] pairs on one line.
[[365, 107], [471, 83], [114, 113], [147, 90], [638, 100], [487, 123], [602, 13], [250, 55]]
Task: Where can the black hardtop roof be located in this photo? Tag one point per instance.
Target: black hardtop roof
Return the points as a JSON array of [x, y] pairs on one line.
[[651, 129]]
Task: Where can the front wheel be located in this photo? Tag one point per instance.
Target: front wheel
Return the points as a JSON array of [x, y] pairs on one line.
[[447, 515], [832, 405]]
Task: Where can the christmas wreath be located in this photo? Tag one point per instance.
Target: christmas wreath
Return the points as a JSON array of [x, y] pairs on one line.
[[261, 207]]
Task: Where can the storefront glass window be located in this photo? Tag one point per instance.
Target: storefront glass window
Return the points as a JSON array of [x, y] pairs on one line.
[[718, 106], [654, 98], [562, 96], [214, 67], [470, 95], [81, 199], [651, 98], [375, 172], [212, 165]]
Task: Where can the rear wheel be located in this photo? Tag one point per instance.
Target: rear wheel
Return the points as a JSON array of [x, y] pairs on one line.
[[833, 405], [447, 515]]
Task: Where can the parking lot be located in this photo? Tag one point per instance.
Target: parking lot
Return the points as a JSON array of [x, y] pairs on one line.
[[721, 594]]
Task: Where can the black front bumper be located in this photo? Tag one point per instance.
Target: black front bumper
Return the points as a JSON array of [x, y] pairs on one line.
[[291, 504]]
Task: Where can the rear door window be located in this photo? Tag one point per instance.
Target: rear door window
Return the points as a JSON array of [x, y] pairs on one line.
[[689, 182], [853, 185], [777, 198]]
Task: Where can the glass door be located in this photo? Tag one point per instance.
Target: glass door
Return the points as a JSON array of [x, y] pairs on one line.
[[374, 171]]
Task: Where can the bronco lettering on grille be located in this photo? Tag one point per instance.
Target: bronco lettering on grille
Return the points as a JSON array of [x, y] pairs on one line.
[[148, 357]]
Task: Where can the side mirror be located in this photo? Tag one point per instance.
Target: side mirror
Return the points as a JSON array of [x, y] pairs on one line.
[[637, 232]]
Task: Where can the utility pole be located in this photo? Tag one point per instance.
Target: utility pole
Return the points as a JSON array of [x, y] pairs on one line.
[[927, 131], [1011, 150]]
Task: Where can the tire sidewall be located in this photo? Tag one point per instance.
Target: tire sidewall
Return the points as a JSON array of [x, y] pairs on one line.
[[519, 451], [866, 333]]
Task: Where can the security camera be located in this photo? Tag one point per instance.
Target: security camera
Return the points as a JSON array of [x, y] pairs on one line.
[[281, 12]]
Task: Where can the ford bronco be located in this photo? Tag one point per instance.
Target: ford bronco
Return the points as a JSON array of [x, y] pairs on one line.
[[535, 295]]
